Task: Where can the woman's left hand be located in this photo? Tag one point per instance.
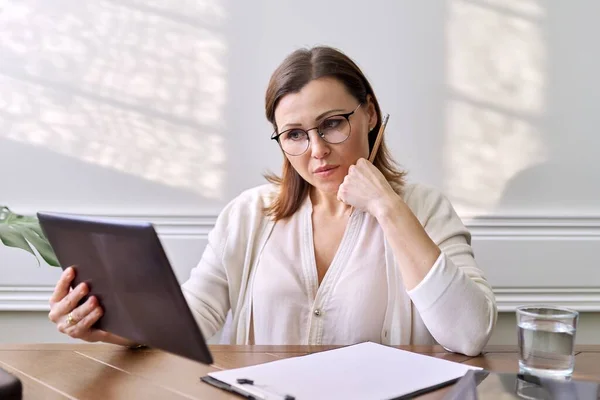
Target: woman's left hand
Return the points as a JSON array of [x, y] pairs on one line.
[[365, 188]]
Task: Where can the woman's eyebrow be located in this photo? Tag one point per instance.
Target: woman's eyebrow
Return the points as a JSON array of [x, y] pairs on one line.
[[320, 116]]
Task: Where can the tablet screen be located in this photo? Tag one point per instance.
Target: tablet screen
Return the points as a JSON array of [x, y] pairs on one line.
[[485, 385]]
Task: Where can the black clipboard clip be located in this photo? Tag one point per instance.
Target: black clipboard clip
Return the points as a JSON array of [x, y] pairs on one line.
[[254, 393]]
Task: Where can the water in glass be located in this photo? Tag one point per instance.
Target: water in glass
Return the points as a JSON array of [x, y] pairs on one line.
[[546, 347]]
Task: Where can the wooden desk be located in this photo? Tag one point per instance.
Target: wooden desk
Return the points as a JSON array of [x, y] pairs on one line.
[[99, 371]]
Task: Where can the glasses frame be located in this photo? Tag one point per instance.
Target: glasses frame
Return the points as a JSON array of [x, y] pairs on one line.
[[275, 136]]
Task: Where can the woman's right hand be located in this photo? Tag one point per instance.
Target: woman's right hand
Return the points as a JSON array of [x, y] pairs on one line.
[[76, 321]]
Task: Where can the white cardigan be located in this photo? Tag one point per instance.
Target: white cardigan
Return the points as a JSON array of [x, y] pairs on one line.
[[453, 305]]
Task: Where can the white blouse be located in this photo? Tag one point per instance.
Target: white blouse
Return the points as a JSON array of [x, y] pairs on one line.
[[289, 306], [453, 305]]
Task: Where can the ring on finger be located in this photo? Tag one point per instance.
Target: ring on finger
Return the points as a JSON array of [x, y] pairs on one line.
[[70, 319]]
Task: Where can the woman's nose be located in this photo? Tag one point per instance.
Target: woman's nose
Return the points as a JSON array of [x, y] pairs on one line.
[[318, 147]]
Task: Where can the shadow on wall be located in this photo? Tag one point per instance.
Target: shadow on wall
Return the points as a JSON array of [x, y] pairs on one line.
[[521, 140], [568, 183], [496, 102], [522, 107], [560, 188], [120, 99], [63, 177]]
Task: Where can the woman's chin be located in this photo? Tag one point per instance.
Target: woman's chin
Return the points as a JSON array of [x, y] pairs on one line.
[[327, 187]]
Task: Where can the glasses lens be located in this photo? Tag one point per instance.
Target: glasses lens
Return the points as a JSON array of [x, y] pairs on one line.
[[294, 142], [335, 129]]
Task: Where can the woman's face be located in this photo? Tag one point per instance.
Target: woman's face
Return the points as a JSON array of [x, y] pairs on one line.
[[324, 165]]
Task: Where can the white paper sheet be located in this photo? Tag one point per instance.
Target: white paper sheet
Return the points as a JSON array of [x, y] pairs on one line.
[[363, 371]]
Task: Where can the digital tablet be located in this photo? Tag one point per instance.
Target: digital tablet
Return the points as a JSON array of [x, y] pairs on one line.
[[487, 385], [126, 268]]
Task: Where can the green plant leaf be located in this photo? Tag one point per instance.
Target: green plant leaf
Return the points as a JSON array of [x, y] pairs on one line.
[[41, 245], [12, 238], [23, 232]]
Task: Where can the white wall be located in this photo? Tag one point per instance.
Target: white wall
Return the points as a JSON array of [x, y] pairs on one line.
[[154, 110]]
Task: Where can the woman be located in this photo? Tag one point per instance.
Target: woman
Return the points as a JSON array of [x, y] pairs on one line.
[[338, 250]]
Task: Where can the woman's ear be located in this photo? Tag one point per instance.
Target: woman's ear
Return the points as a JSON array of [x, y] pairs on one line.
[[371, 112]]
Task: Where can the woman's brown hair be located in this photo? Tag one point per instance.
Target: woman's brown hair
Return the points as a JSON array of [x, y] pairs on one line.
[[297, 70]]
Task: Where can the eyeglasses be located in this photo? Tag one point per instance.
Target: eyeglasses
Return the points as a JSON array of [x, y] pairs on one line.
[[333, 130]]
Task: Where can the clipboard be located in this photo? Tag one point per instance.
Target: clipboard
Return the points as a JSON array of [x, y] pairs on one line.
[[264, 395], [364, 370]]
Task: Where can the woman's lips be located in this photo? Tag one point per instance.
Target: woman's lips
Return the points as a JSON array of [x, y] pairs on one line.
[[326, 170]]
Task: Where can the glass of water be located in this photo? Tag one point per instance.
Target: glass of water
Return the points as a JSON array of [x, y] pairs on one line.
[[547, 340]]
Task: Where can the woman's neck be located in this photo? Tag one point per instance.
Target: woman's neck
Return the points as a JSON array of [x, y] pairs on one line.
[[328, 203]]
